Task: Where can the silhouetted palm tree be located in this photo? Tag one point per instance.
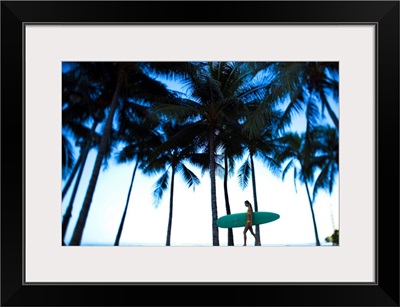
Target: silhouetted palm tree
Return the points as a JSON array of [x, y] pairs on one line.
[[137, 129], [216, 95], [80, 110], [327, 159], [80, 165], [262, 146], [170, 160], [301, 87], [122, 79], [232, 149], [304, 155]]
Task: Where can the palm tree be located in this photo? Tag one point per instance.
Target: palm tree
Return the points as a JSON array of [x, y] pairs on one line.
[[171, 160], [85, 142], [80, 105], [205, 110], [216, 95], [327, 159], [68, 161], [262, 146], [303, 152], [104, 142], [138, 131], [232, 151], [124, 79], [85, 146], [298, 87], [321, 81]]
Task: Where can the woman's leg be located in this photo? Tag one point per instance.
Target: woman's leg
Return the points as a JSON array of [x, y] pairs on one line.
[[254, 235], [244, 234]]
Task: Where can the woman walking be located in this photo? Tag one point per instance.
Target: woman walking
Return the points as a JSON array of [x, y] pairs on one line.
[[249, 223]]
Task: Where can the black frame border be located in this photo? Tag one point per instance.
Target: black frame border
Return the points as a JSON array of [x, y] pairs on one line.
[[383, 14]]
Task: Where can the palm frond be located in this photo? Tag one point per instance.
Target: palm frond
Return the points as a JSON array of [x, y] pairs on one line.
[[326, 179], [78, 130], [290, 165], [160, 187], [170, 70], [127, 154], [231, 165], [200, 160], [312, 113], [188, 176], [293, 108], [295, 177], [180, 112], [244, 174], [271, 164]]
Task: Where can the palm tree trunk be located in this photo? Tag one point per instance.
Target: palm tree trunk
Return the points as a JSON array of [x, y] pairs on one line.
[[214, 212], [227, 205], [68, 212], [82, 157], [313, 216], [121, 225], [253, 177], [71, 176], [171, 206], [80, 225]]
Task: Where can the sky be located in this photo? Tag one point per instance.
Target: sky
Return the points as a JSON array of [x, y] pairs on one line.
[[146, 223]]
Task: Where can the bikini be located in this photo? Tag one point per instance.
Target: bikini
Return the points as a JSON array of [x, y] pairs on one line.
[[248, 216]]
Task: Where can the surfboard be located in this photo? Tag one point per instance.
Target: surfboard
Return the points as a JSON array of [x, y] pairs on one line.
[[239, 219]]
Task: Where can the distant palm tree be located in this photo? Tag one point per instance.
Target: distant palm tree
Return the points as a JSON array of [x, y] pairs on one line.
[[304, 155], [138, 131], [170, 160], [262, 146], [327, 160]]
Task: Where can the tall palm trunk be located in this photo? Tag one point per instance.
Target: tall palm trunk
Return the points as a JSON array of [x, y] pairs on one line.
[[214, 212], [72, 176], [121, 225], [68, 213], [313, 215], [82, 157], [171, 206], [227, 205], [253, 178], [80, 225]]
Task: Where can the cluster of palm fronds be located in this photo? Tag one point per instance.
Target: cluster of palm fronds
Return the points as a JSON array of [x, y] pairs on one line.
[[229, 112]]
